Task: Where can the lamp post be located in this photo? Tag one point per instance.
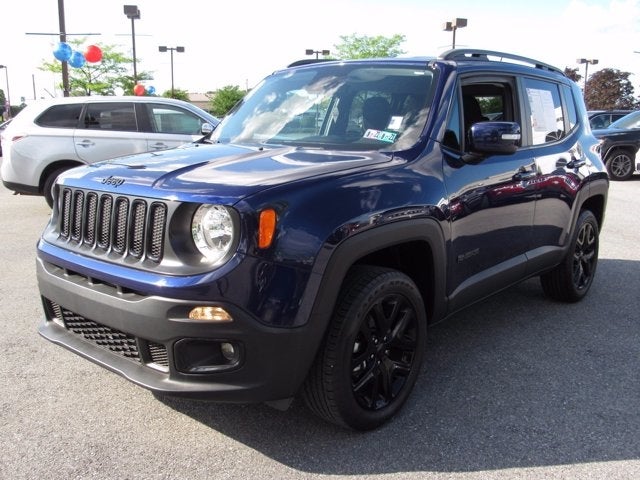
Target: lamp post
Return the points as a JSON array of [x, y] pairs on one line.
[[586, 62], [132, 12], [454, 25], [171, 49], [8, 101], [311, 51]]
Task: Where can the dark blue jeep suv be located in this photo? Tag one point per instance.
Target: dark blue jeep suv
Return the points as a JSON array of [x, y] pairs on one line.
[[340, 209]]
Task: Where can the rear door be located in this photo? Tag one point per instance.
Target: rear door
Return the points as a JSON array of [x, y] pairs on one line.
[[108, 130], [554, 132]]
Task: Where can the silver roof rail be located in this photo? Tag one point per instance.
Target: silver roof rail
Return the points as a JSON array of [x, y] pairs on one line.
[[472, 54]]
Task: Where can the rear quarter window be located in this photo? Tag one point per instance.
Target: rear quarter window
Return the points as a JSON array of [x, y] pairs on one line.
[[60, 116]]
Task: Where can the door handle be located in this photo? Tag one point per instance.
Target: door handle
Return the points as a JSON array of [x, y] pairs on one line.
[[576, 162], [159, 146], [85, 143], [524, 174]]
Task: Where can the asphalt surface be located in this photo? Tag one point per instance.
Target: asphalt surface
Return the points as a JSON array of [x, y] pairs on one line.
[[517, 387]]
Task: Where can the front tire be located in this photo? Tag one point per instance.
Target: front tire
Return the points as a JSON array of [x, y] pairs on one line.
[[373, 350], [620, 165], [570, 281]]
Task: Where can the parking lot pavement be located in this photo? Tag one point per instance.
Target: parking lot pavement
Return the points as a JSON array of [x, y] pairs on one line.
[[516, 387]]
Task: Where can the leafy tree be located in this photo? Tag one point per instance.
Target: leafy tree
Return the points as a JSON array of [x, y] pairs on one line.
[[610, 88], [573, 74], [101, 78], [224, 99], [179, 94], [354, 46]]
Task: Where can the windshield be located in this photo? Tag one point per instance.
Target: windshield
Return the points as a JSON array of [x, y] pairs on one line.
[[631, 120], [339, 106]]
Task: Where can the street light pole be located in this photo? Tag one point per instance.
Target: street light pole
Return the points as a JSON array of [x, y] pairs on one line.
[[8, 99], [586, 61], [171, 49], [454, 25], [132, 12], [311, 51]]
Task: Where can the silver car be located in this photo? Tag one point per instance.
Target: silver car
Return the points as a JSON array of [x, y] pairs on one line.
[[49, 137]]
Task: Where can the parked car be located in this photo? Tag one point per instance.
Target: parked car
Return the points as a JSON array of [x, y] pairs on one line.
[[49, 137], [338, 211], [619, 145], [603, 118]]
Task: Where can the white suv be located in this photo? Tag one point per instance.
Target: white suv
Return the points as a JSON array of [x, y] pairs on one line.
[[49, 137]]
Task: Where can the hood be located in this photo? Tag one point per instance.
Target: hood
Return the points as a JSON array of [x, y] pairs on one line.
[[220, 172], [613, 132]]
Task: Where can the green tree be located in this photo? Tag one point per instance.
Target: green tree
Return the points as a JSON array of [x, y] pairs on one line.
[[573, 74], [101, 78], [179, 94], [610, 88], [354, 46], [224, 99]]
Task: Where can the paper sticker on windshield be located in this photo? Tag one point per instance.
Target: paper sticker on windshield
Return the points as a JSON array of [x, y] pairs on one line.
[[380, 135]]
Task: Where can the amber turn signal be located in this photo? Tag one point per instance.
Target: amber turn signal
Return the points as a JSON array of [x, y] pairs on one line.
[[210, 314], [266, 228]]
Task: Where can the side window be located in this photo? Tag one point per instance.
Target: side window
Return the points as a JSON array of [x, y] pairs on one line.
[[171, 119], [545, 111], [118, 116], [60, 116], [491, 100]]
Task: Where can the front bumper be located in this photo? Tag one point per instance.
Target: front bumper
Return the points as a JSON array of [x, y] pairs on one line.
[[143, 339]]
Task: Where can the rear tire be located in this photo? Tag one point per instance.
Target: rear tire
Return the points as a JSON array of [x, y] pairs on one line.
[[48, 185], [373, 350], [620, 165], [570, 281]]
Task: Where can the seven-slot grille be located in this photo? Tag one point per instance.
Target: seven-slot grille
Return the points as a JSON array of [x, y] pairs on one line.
[[114, 224]]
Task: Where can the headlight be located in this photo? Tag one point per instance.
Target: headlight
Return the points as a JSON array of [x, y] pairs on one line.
[[213, 232]]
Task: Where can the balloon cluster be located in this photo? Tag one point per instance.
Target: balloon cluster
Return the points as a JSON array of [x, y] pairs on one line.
[[65, 53], [140, 90]]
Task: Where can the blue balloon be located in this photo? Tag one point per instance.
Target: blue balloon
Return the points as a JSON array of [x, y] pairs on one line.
[[77, 59], [63, 51], [151, 90]]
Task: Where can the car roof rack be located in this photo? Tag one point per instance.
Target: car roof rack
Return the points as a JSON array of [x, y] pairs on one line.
[[472, 54]]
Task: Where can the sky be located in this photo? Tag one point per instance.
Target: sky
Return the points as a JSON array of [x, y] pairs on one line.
[[240, 42]]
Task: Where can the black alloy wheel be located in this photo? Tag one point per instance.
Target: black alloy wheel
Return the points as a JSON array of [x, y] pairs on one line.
[[570, 281], [373, 351]]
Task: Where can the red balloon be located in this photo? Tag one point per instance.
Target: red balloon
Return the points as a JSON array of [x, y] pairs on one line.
[[93, 54], [139, 90]]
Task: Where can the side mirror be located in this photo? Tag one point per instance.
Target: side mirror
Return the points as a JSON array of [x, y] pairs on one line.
[[498, 138], [206, 129]]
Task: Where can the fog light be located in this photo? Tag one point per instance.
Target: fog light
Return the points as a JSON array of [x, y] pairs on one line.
[[197, 355], [228, 351], [210, 314]]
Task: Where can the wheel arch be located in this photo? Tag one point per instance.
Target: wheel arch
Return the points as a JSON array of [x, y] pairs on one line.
[[414, 247], [52, 167]]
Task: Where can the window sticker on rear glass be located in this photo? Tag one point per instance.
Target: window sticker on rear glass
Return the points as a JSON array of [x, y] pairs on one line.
[[380, 135], [542, 110]]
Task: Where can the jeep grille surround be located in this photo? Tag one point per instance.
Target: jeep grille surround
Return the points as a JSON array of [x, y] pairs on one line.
[[127, 227], [119, 343]]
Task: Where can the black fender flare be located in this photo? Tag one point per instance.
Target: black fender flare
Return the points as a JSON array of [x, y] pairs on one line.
[[332, 266]]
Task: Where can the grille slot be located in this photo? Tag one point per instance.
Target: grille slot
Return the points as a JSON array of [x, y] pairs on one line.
[[123, 226], [120, 343]]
